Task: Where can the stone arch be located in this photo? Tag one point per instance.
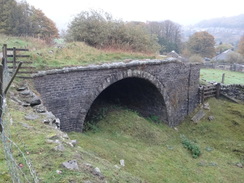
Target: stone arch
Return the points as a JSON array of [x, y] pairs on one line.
[[115, 78]]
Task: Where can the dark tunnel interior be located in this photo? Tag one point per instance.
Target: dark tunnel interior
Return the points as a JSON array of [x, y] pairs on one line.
[[134, 93]]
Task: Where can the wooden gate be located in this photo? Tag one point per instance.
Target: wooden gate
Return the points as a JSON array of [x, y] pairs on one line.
[[208, 91], [13, 57]]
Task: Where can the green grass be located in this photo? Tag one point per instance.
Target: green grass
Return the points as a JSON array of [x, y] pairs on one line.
[[152, 152], [73, 54], [69, 54], [21, 42], [155, 153], [215, 75]]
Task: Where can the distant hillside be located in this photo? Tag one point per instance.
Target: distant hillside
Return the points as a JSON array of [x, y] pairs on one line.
[[235, 22], [225, 29]]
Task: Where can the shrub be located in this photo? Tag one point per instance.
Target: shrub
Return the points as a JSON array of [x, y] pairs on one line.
[[196, 59], [100, 30], [191, 146]]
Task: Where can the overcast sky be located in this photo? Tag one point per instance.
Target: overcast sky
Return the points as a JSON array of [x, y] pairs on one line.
[[184, 12]]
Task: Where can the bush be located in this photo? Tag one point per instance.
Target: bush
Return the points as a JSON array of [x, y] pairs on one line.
[[191, 146], [196, 59], [98, 29], [235, 57]]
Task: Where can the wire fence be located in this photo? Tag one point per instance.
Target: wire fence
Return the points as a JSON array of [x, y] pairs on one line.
[[19, 165]]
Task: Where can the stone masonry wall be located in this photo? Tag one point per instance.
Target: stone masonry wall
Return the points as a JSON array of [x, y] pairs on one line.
[[235, 91], [70, 92]]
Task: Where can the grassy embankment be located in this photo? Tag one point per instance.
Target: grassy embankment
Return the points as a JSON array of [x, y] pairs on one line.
[[70, 54], [152, 152]]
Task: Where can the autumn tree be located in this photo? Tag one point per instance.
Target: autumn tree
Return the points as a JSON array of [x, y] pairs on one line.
[[241, 46], [7, 16], [42, 26], [202, 43], [22, 19]]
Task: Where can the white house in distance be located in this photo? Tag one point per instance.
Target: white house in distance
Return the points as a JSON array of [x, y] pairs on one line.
[[222, 56]]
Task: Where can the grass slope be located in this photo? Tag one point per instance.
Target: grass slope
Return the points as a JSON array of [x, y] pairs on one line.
[[215, 75], [67, 54], [152, 152]]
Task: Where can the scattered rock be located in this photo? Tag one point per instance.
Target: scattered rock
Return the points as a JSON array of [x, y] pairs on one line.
[[31, 116], [122, 162], [240, 165], [211, 118], [26, 93], [209, 149], [74, 142], [116, 166], [51, 120], [65, 135], [58, 171], [25, 105], [60, 147], [22, 88], [206, 106], [53, 141], [35, 101], [39, 108], [96, 171], [57, 122], [198, 116], [71, 165]]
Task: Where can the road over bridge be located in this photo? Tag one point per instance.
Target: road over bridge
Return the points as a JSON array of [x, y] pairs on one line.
[[167, 89]]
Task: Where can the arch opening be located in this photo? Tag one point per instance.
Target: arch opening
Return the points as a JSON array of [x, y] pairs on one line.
[[133, 93]]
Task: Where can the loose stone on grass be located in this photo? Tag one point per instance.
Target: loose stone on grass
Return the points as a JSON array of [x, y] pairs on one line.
[[71, 165], [198, 116]]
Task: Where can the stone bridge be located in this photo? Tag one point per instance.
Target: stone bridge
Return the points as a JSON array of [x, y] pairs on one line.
[[167, 89]]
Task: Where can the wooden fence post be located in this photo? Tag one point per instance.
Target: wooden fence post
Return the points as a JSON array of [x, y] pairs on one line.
[[202, 97], [4, 51], [218, 87], [223, 78], [1, 95], [14, 59]]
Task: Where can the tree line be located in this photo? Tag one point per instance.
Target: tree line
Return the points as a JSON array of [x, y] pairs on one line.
[[99, 29], [21, 19]]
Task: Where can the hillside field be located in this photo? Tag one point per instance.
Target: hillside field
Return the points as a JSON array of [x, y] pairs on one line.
[[215, 75], [206, 152], [152, 152]]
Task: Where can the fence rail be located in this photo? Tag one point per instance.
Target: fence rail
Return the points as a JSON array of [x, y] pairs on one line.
[[14, 153], [11, 55], [208, 91]]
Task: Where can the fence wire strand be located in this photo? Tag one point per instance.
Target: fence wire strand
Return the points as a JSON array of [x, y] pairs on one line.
[[19, 166]]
